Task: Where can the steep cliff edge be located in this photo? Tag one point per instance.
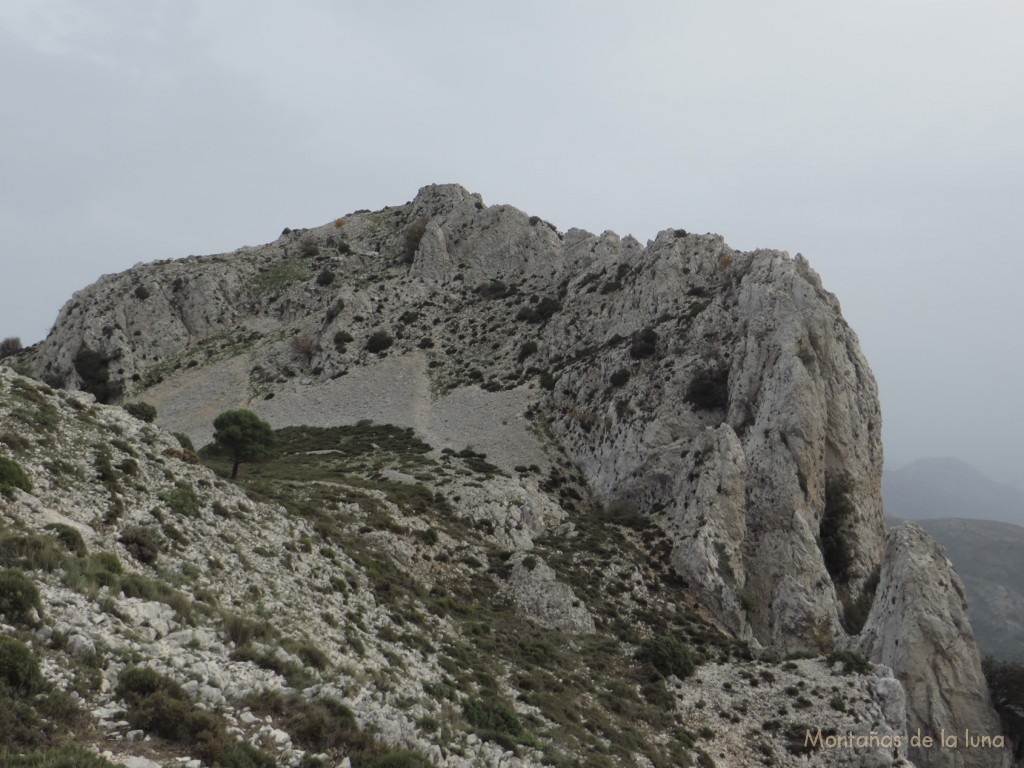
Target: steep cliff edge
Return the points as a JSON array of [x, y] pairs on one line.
[[718, 393], [918, 626]]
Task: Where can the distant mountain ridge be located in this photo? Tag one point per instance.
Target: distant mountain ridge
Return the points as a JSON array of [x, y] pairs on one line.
[[980, 523], [947, 487]]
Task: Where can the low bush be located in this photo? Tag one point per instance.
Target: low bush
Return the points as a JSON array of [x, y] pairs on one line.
[[19, 670], [182, 500], [644, 344], [19, 597], [378, 341], [13, 476], [143, 411], [30, 552], [619, 378], [853, 663], [137, 683], [69, 537], [325, 278], [491, 715], [158, 705], [668, 656], [142, 293], [341, 340], [9, 346], [142, 542]]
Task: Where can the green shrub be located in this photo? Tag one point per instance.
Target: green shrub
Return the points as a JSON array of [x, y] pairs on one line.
[[106, 562], [1006, 685], [143, 411], [142, 542], [853, 663], [541, 312], [31, 552], [182, 500], [19, 669], [9, 346], [18, 597], [184, 441], [137, 683], [69, 537], [644, 344], [242, 631], [238, 754], [619, 378], [342, 339], [15, 442], [325, 278], [309, 247], [378, 341], [13, 476], [669, 656], [491, 715]]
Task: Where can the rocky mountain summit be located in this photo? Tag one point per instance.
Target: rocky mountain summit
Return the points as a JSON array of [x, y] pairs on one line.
[[543, 498]]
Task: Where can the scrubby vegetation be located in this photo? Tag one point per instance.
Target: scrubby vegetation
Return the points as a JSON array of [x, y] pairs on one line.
[[12, 476], [158, 705], [1006, 685], [378, 341], [10, 346], [143, 411]]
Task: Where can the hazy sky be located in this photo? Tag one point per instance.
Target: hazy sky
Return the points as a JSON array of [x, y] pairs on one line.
[[883, 139]]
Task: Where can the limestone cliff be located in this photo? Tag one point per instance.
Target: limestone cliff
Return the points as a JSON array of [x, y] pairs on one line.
[[919, 627], [717, 393]]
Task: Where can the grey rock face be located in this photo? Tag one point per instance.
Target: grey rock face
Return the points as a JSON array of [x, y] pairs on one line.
[[540, 597], [918, 626], [718, 393], [647, 349]]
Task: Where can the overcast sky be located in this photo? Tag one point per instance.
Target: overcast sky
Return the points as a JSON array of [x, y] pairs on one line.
[[882, 139]]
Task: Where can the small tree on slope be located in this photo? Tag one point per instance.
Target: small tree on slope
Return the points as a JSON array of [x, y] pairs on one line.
[[244, 437]]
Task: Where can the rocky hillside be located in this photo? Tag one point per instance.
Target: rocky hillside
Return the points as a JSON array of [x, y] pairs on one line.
[[529, 479]]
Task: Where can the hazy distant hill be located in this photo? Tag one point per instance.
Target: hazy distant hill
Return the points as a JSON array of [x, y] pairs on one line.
[[987, 556], [947, 487], [978, 521]]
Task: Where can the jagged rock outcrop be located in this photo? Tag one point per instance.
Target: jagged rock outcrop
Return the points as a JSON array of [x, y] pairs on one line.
[[717, 393], [919, 627], [640, 350], [540, 597]]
